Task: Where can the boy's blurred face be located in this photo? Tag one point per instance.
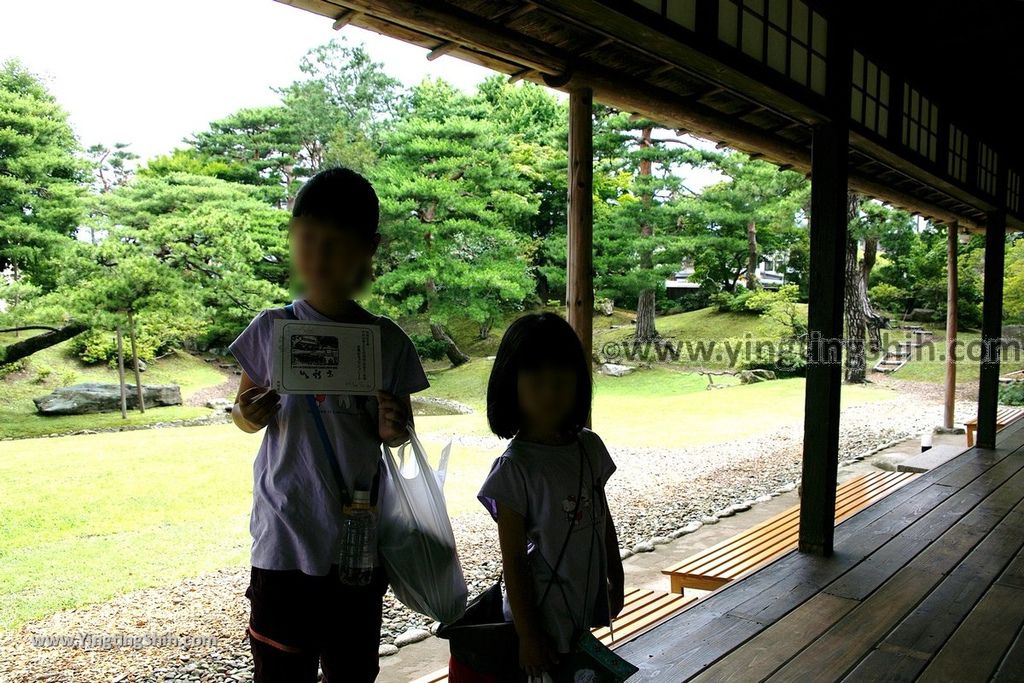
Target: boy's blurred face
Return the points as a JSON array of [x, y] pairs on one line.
[[330, 260], [546, 397]]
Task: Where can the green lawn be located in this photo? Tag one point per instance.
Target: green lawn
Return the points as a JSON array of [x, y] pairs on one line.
[[56, 366], [928, 363], [87, 517]]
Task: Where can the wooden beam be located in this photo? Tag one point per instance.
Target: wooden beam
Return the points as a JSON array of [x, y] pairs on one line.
[[579, 294], [825, 329], [991, 328], [441, 50], [451, 24], [344, 19], [952, 285]]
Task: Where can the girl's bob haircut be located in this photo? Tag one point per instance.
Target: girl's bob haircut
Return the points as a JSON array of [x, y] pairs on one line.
[[535, 342]]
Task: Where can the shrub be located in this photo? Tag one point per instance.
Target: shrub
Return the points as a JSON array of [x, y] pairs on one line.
[[732, 303], [96, 346], [1012, 394], [427, 347], [785, 359], [889, 298]]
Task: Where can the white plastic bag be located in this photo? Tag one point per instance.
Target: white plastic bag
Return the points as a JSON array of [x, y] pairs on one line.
[[415, 537]]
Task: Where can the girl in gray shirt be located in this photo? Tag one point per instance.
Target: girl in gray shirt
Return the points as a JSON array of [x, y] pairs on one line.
[[559, 548]]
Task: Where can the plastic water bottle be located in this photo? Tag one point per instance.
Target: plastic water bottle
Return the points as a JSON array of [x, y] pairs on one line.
[[358, 555]]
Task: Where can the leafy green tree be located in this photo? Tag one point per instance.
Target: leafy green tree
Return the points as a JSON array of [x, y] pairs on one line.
[[637, 239], [536, 124], [41, 179], [341, 107], [219, 238], [455, 210], [757, 210], [259, 146]]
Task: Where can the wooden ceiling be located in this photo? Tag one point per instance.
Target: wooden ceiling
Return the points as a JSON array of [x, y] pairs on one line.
[[614, 49]]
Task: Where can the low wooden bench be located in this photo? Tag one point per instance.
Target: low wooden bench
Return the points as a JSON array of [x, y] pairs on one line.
[[718, 565], [643, 609], [1005, 416]]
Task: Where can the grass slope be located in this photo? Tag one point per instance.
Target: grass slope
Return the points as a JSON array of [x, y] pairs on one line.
[[56, 366]]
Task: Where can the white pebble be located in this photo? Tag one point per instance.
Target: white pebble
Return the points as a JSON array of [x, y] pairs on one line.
[[386, 650]]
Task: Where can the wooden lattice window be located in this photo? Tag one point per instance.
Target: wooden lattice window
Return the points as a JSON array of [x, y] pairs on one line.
[[1013, 191], [988, 164], [869, 100], [682, 12], [920, 123], [956, 164], [785, 35]]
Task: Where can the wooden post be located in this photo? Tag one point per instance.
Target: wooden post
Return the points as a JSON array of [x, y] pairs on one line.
[[135, 362], [991, 328], [120, 374], [952, 284], [579, 289], [829, 156]]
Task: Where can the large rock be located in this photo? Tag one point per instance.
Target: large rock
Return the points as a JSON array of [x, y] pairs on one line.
[[79, 399], [615, 370]]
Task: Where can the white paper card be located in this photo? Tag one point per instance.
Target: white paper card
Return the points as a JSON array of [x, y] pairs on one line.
[[314, 357]]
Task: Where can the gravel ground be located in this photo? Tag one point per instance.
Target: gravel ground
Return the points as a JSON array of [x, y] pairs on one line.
[[691, 484]]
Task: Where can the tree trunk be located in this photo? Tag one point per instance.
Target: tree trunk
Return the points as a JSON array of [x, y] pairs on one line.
[[855, 367], [645, 330], [854, 371], [25, 348], [135, 362], [454, 353], [874, 320], [120, 374], [752, 283]]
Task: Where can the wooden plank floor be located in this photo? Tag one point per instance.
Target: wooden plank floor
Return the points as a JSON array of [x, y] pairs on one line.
[[927, 584]]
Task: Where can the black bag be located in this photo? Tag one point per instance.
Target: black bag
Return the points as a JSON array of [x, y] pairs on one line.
[[482, 640]]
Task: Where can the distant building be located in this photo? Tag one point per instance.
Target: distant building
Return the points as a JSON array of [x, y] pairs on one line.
[[770, 275]]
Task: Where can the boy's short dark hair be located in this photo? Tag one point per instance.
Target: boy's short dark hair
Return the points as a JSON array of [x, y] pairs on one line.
[[342, 198], [533, 342]]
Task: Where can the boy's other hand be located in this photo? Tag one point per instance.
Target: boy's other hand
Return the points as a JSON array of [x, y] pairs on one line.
[[257, 405], [393, 418]]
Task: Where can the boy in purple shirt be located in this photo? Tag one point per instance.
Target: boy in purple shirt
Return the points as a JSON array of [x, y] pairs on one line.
[[301, 614]]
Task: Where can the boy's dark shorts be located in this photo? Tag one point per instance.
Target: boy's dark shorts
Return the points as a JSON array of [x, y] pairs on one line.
[[315, 619]]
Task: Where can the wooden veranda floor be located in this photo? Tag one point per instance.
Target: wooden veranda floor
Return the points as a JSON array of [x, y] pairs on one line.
[[927, 584]]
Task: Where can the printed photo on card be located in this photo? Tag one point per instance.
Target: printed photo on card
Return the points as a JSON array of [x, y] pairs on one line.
[[315, 357]]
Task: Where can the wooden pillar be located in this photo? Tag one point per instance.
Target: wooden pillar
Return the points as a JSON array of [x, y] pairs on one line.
[[952, 284], [579, 290], [991, 328], [829, 157]]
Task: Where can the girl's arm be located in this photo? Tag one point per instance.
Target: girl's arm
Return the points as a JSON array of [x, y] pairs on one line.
[[536, 653], [616, 577], [254, 405]]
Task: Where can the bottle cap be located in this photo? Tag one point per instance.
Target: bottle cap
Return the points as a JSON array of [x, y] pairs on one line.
[[361, 497]]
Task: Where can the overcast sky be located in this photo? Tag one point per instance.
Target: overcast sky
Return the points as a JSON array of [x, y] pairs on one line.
[[150, 74]]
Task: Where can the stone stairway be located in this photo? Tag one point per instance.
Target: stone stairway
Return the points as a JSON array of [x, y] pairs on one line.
[[897, 356]]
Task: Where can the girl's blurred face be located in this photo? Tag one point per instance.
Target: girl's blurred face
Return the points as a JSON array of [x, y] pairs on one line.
[[546, 397], [330, 260]]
